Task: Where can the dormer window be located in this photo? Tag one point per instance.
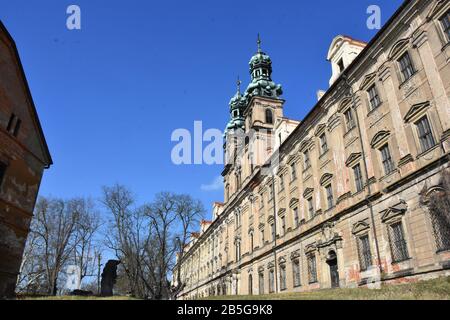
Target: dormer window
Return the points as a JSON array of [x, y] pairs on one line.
[[341, 65]]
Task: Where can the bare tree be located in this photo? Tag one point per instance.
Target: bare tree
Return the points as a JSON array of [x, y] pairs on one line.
[[55, 225], [86, 227], [146, 239], [124, 232]]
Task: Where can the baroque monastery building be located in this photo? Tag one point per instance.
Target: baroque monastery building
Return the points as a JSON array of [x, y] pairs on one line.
[[340, 199]]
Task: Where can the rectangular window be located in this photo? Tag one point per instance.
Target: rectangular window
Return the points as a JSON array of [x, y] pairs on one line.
[[282, 182], [374, 98], [358, 178], [2, 172], [406, 66], [296, 272], [271, 281], [296, 218], [399, 249], [386, 159], [261, 203], [272, 229], [349, 121], [293, 172], [282, 277], [261, 282], [306, 161], [445, 21], [283, 225], [312, 270], [11, 121], [425, 135], [330, 200], [365, 256], [270, 193], [262, 237], [311, 207], [323, 143]]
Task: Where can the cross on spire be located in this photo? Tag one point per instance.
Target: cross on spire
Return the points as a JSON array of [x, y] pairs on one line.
[[258, 42], [238, 82]]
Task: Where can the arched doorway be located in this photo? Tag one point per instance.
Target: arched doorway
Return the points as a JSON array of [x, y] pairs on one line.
[[334, 272]]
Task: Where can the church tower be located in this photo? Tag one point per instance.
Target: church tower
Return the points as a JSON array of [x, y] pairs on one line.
[[249, 135]]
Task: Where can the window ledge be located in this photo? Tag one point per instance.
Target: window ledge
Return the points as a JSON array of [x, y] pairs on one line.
[[372, 111], [349, 130], [389, 174], [424, 153], [323, 154], [404, 82], [401, 261]]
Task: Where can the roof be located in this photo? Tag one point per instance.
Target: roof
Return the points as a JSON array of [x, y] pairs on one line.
[[32, 106]]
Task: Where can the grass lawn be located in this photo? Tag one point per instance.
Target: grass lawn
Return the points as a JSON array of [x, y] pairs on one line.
[[436, 289], [76, 298]]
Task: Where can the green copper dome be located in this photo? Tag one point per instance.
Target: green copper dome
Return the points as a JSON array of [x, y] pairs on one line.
[[237, 107], [261, 73]]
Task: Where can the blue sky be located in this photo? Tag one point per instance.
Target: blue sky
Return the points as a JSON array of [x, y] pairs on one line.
[[110, 95]]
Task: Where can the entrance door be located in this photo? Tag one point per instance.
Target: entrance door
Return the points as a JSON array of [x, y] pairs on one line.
[[334, 272]]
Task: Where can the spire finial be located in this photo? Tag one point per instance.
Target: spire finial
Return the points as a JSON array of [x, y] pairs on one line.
[[258, 42], [238, 82]]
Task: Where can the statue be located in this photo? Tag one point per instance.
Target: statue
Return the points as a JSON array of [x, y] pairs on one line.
[[109, 276]]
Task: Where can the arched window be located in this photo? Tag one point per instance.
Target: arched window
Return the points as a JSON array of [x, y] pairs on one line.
[[269, 116], [250, 284]]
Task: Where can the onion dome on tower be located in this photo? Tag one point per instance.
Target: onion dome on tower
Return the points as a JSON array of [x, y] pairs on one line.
[[261, 72], [237, 107]]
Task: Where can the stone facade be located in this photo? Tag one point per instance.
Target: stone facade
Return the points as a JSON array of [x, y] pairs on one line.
[[23, 157], [336, 200]]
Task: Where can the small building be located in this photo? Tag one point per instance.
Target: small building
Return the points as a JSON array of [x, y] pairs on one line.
[[24, 155]]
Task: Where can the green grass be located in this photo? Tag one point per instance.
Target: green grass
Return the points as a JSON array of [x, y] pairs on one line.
[[75, 298], [436, 289]]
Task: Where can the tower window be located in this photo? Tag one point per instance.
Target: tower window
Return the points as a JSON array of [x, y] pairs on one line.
[[269, 116]]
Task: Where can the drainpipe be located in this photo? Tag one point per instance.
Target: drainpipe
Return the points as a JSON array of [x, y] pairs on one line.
[[275, 233], [268, 166], [366, 172]]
